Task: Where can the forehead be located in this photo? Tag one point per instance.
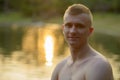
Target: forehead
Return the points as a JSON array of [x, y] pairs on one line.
[[82, 19]]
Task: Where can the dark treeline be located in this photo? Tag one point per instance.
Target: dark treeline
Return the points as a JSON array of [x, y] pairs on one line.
[[55, 7]]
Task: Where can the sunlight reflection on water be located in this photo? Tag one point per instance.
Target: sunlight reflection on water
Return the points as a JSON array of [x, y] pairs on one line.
[[15, 70], [23, 65], [49, 48]]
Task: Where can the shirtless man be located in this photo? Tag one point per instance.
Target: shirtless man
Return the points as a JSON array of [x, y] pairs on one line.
[[84, 63]]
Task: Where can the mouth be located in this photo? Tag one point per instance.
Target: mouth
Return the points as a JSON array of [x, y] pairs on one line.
[[73, 38]]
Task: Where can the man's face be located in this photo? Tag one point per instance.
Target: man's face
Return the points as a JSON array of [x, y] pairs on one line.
[[77, 29]]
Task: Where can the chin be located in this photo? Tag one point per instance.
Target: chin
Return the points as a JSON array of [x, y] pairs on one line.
[[73, 44]]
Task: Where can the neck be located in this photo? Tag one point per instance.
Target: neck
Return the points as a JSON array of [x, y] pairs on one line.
[[79, 52]]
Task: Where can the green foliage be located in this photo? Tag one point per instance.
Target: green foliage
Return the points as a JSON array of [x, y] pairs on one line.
[[49, 8], [115, 5], [61, 5], [12, 17], [1, 4]]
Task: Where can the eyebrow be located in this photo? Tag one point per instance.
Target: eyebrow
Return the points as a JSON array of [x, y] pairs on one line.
[[74, 23]]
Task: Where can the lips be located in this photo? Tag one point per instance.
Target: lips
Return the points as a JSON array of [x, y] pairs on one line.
[[73, 38]]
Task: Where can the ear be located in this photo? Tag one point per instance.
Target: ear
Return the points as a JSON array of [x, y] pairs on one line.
[[91, 29], [62, 27]]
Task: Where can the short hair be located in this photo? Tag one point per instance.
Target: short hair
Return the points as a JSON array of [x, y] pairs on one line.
[[77, 9]]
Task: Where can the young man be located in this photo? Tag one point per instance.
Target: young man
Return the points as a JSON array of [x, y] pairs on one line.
[[84, 63]]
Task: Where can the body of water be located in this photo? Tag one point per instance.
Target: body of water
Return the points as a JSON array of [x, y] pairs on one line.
[[31, 52]]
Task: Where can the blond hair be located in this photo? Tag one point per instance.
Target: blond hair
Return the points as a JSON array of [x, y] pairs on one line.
[[77, 9]]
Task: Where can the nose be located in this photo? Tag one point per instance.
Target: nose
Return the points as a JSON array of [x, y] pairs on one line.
[[73, 29]]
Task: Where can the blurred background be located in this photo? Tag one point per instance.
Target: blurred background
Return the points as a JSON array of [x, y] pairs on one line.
[[31, 39]]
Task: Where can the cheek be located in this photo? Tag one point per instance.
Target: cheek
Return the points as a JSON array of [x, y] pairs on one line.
[[65, 31], [84, 33]]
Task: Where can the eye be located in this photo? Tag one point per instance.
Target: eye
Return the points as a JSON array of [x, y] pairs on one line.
[[78, 25], [68, 25]]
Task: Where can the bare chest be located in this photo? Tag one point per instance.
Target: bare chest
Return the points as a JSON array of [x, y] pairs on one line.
[[72, 73]]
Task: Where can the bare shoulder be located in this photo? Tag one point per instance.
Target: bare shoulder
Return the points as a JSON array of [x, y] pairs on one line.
[[100, 60], [99, 69], [57, 69]]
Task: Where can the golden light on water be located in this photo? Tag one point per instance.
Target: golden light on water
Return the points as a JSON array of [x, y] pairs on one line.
[[49, 48]]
